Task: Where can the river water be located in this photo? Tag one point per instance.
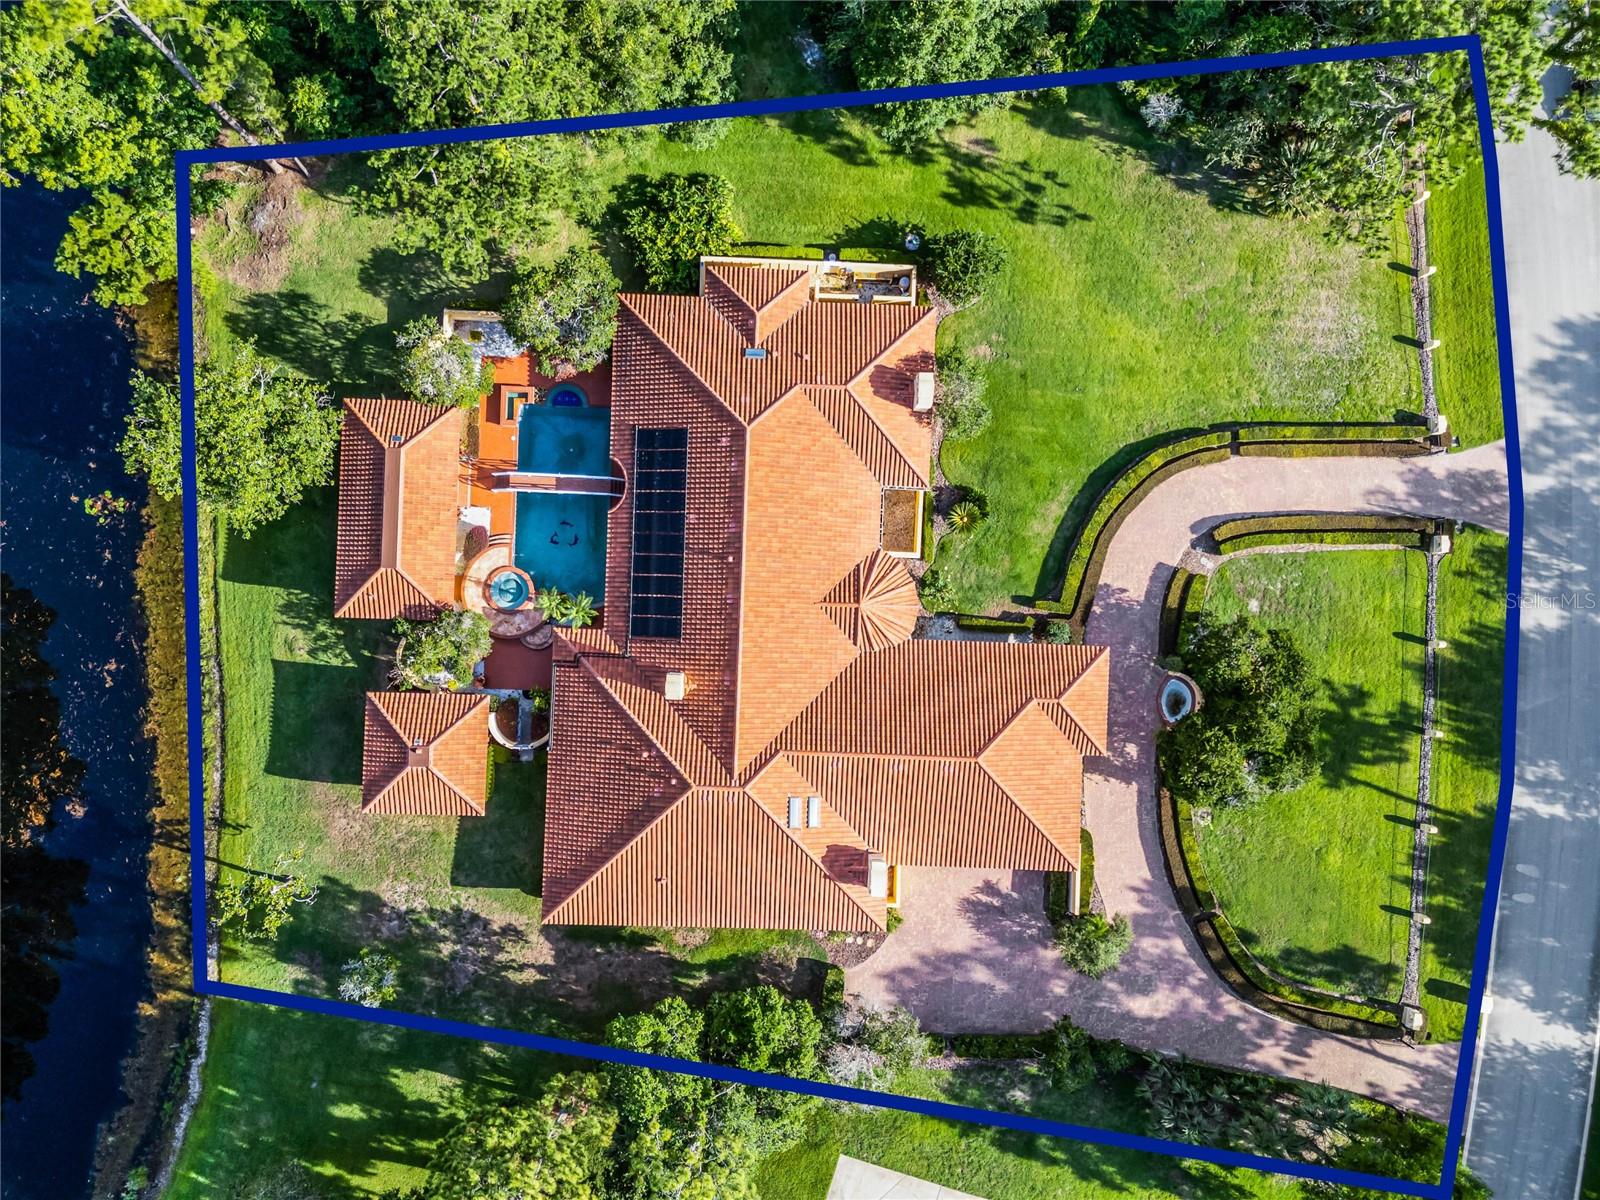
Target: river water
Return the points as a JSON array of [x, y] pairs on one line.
[[64, 366]]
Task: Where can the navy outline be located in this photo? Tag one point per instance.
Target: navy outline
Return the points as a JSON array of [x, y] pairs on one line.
[[184, 160]]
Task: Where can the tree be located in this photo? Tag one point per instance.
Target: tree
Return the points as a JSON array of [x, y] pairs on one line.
[[1575, 123], [437, 368], [1257, 731], [261, 904], [963, 264], [944, 41], [553, 1149], [1092, 945], [670, 222], [959, 399], [694, 1138], [566, 311], [441, 653], [370, 978], [262, 436], [1338, 138], [38, 890]]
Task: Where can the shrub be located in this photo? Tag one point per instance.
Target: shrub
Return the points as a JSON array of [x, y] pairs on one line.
[[369, 979], [1092, 945], [436, 368], [673, 222], [937, 595], [963, 264], [894, 1035], [1069, 1056], [565, 311], [260, 904], [578, 611], [893, 920], [441, 653], [1058, 633], [959, 398]]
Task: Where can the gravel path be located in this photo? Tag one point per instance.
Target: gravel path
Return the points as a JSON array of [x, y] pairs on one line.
[[973, 952]]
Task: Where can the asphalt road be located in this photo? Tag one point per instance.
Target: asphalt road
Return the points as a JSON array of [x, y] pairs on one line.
[[1537, 1053]]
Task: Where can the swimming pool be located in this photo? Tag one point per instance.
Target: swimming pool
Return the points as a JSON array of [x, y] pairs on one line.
[[561, 535], [561, 541], [564, 440]]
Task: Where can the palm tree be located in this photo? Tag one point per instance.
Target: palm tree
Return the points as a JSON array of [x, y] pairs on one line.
[[965, 516], [579, 610], [552, 605]]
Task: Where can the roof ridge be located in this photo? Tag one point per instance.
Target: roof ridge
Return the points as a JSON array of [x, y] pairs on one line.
[[366, 583], [804, 849], [689, 774], [884, 438], [664, 344], [548, 917]]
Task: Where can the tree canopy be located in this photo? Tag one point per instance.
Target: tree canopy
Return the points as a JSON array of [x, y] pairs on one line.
[[1575, 123], [566, 311], [262, 436], [669, 222], [1256, 731], [694, 1138], [437, 368], [552, 1149]]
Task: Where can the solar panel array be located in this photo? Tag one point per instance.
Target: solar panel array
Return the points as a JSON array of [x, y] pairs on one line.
[[660, 482]]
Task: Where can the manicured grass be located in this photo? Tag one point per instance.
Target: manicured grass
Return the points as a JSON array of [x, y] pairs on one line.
[[1000, 1164], [1466, 767], [1466, 365], [1316, 881]]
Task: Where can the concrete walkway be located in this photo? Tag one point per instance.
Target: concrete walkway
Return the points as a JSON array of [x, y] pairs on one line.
[[973, 951], [857, 1180]]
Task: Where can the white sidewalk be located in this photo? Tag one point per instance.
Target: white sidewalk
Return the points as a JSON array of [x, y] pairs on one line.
[[857, 1180]]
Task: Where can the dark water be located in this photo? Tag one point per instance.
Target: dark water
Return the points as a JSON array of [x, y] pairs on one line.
[[64, 365]]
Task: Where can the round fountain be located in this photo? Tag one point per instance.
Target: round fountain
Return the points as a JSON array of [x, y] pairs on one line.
[[1180, 696]]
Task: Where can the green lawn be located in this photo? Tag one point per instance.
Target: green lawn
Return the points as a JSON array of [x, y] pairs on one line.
[[1466, 767], [1466, 365], [1316, 880]]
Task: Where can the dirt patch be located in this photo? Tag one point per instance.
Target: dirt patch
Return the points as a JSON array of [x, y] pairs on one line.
[[269, 224], [853, 949]]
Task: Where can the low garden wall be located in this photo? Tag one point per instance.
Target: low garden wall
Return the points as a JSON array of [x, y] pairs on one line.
[[1082, 573]]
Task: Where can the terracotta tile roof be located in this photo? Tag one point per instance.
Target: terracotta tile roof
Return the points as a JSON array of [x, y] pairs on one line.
[[875, 605], [396, 548], [802, 676], [425, 754]]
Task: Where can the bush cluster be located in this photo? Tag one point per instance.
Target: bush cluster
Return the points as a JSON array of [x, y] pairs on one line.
[[1092, 945], [565, 311], [963, 263], [959, 400], [673, 221]]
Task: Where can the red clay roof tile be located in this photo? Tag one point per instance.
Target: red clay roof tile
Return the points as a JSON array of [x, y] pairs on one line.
[[425, 754]]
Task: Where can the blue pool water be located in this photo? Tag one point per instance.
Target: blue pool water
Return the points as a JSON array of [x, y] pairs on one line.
[[562, 440], [568, 395], [561, 536], [561, 541]]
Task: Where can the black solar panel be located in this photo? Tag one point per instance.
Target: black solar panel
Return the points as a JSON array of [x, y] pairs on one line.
[[660, 481]]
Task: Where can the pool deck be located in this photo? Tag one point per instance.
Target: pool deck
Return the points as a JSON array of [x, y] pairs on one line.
[[497, 444]]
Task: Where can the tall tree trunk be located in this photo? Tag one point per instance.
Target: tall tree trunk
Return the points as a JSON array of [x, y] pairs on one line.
[[149, 35]]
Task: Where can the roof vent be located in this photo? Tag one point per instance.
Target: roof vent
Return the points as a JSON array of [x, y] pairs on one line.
[[395, 439], [676, 685], [924, 392], [755, 351]]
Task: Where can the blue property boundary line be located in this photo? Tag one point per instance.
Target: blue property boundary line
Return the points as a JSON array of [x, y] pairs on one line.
[[184, 160]]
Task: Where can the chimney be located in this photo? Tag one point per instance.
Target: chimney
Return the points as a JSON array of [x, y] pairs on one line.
[[676, 685], [923, 401]]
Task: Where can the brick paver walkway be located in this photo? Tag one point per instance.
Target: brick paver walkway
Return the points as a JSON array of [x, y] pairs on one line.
[[973, 952]]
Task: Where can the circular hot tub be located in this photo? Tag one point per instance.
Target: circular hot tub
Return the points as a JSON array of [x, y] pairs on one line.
[[509, 589], [567, 395]]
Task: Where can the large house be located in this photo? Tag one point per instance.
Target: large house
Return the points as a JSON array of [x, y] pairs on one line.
[[751, 735]]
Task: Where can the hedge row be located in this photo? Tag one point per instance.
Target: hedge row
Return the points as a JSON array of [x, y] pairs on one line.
[[1111, 507], [1331, 449], [1374, 432], [806, 252], [1301, 522], [996, 624], [1172, 606], [1119, 498], [1325, 537], [1233, 961], [999, 1045]]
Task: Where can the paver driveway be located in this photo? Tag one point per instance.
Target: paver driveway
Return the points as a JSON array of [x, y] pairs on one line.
[[973, 952]]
